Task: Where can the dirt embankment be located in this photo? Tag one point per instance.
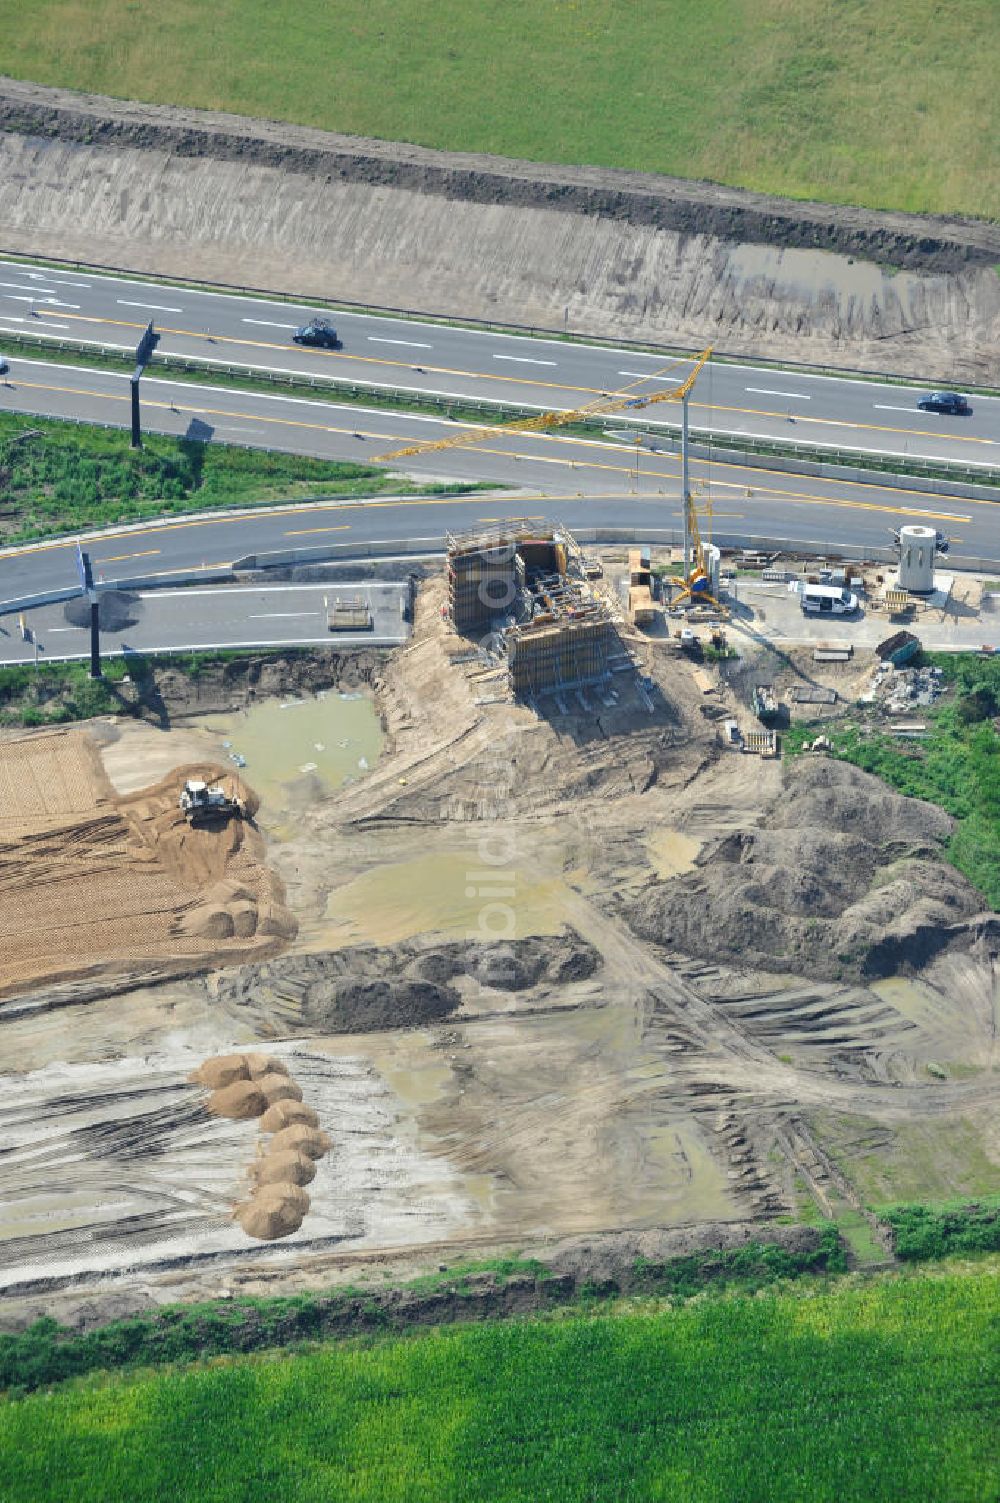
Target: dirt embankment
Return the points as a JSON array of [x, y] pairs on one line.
[[596, 251], [934, 243], [360, 988], [843, 880]]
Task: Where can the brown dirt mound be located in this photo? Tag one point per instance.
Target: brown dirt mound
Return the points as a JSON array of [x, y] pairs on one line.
[[845, 878], [273, 1211], [301, 1139], [222, 1071], [242, 1100], [285, 1113], [278, 1088], [264, 1064], [284, 1168], [120, 881]]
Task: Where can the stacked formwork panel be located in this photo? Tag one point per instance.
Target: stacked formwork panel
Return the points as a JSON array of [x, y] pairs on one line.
[[483, 582], [542, 657]]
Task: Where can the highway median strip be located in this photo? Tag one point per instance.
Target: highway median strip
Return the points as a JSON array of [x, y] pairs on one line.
[[197, 371]]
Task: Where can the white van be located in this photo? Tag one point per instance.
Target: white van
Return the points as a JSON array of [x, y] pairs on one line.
[[828, 600]]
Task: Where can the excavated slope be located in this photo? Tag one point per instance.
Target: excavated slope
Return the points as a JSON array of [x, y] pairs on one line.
[[193, 194]]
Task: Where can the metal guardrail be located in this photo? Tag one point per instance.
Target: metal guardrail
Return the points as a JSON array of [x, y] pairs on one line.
[[532, 331]]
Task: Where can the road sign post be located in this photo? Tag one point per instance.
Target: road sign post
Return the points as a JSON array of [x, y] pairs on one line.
[[136, 422], [87, 581], [143, 350]]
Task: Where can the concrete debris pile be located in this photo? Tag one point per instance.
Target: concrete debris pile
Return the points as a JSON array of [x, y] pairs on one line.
[[898, 690], [248, 1086]]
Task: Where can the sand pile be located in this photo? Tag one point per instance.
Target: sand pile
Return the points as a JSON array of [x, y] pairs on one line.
[[273, 1211], [245, 1086], [121, 883]]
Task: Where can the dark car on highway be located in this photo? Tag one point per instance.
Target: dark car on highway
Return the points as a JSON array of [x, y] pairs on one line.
[[945, 401], [319, 332]]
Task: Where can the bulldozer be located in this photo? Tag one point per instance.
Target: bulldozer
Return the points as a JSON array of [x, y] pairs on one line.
[[204, 804]]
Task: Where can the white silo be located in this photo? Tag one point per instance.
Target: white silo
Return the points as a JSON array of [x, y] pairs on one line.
[[713, 563], [916, 559]]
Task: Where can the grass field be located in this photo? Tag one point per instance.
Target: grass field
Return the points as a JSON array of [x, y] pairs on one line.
[[59, 477], [857, 1394], [890, 104]]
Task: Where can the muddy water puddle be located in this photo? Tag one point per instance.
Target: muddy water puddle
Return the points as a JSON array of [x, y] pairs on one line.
[[813, 270], [444, 893], [293, 751]]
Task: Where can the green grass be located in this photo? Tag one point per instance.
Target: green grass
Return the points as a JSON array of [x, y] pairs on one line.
[[891, 104], [56, 693], [66, 478], [956, 766], [887, 1390], [922, 1232], [47, 1353]]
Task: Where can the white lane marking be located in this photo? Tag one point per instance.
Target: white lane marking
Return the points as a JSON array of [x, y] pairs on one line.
[[40, 276], [280, 615], [35, 291], [410, 344], [266, 323], [152, 307], [36, 323], [892, 407], [524, 360], [767, 391], [42, 302], [64, 628]]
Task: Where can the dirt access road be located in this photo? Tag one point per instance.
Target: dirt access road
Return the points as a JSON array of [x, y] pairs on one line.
[[598, 252], [505, 1009]]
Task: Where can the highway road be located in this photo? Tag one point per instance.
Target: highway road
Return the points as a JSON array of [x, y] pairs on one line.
[[738, 399], [585, 483]]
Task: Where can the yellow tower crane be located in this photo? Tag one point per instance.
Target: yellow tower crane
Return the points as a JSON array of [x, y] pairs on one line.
[[616, 402], [697, 579]]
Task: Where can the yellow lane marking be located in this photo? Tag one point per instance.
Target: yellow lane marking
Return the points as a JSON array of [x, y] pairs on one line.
[[776, 493], [116, 558], [302, 532], [590, 391]]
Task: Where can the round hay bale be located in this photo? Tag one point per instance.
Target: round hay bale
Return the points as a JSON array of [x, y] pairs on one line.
[[284, 1169], [242, 1100], [301, 1139], [273, 1211], [264, 1064], [284, 1113], [278, 1088], [222, 1070]]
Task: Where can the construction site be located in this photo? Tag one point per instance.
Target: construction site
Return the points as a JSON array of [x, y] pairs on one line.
[[554, 961]]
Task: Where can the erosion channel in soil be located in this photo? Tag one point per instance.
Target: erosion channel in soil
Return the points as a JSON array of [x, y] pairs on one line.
[[678, 988]]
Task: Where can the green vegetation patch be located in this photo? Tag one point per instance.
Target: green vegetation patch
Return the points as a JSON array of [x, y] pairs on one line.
[[888, 1390], [58, 477], [957, 765], [922, 1232], [890, 104], [48, 1353]]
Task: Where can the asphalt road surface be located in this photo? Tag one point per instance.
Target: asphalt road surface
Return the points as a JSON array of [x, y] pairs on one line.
[[220, 616], [584, 483], [435, 358]]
